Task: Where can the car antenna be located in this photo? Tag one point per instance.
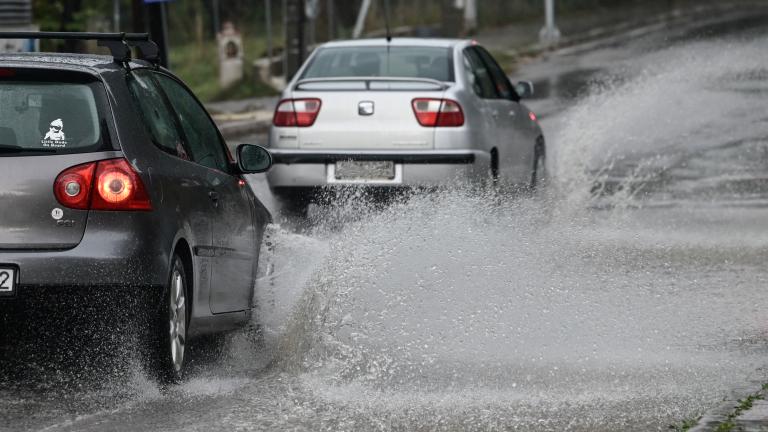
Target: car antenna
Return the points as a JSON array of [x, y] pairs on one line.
[[386, 20]]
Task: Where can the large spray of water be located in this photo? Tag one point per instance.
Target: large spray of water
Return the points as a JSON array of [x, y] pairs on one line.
[[462, 303], [664, 113]]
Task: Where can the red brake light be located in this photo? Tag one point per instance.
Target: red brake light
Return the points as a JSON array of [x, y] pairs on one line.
[[118, 187], [532, 116], [438, 112], [105, 185], [297, 112]]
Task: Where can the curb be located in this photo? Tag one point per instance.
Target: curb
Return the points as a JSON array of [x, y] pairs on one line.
[[230, 130], [608, 33], [729, 409]]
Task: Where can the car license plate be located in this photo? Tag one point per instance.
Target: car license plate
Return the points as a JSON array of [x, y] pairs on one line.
[[365, 170], [7, 281]]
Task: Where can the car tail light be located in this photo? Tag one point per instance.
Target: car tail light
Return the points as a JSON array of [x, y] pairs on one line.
[[105, 185], [297, 112], [118, 187], [73, 186], [7, 73], [438, 112]]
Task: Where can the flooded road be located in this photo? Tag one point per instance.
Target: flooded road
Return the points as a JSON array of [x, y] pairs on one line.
[[465, 310]]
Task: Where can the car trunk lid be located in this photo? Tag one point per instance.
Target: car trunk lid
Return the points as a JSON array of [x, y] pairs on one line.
[[30, 216], [355, 112], [49, 121]]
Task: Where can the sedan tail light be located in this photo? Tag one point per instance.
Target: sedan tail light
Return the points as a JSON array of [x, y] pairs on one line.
[[110, 184], [438, 112], [296, 112]]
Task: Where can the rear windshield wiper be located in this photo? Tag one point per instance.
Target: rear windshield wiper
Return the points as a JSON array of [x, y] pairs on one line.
[[17, 149]]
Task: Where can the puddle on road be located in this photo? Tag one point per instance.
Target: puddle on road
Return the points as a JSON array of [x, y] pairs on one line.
[[456, 311]]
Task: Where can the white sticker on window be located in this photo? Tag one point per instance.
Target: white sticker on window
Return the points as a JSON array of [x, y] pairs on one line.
[[55, 138]]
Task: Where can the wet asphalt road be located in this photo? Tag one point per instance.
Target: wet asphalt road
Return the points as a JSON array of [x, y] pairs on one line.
[[460, 310]]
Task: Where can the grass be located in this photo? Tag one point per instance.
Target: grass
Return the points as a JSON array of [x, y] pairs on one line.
[[198, 66], [687, 424], [744, 404], [728, 425], [509, 62]]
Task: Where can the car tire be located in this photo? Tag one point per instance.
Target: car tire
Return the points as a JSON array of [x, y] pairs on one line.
[[539, 173], [494, 167], [166, 356], [294, 204]]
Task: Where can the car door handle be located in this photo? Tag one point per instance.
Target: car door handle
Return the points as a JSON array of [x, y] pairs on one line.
[[214, 196]]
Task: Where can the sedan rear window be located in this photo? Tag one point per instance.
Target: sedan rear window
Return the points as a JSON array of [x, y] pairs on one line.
[[39, 118], [381, 61]]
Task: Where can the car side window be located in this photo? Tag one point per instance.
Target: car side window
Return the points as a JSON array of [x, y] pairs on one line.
[[479, 76], [503, 86], [200, 133], [156, 114], [471, 77]]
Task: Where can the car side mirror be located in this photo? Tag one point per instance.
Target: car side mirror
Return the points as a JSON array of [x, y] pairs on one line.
[[252, 159], [524, 89]]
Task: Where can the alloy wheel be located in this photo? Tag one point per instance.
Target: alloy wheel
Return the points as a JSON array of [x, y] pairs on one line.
[[177, 320]]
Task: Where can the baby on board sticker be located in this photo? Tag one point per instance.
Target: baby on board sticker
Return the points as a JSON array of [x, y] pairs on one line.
[[55, 136], [56, 131]]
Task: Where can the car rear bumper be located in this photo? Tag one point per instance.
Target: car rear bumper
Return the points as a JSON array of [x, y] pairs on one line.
[[312, 168], [117, 250]]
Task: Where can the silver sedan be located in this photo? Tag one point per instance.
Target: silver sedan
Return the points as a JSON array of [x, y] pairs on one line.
[[402, 113]]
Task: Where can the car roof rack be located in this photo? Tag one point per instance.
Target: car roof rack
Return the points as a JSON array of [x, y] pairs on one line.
[[119, 44]]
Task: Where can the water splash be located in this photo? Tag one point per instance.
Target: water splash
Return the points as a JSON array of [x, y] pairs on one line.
[[481, 311], [653, 116]]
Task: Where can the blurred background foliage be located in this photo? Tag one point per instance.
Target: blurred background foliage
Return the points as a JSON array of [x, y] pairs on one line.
[[192, 38]]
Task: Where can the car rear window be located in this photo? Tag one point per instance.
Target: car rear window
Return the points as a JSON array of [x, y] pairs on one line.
[[381, 61], [39, 117]]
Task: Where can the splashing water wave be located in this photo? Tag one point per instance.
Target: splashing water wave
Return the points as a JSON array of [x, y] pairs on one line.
[[469, 310]]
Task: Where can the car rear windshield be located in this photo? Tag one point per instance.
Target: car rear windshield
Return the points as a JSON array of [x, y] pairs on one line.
[[39, 117], [381, 61]]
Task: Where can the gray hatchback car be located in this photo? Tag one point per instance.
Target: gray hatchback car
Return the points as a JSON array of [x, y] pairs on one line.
[[113, 175]]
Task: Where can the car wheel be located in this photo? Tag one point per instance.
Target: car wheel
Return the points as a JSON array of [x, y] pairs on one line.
[[167, 356], [539, 174], [494, 167], [294, 204]]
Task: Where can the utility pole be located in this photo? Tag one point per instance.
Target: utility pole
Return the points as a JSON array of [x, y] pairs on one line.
[[331, 12], [311, 11], [216, 18], [549, 34], [295, 43], [360, 23], [158, 29], [268, 18], [116, 15], [138, 15], [470, 17]]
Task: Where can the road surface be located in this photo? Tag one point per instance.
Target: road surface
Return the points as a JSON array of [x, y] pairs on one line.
[[459, 310]]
